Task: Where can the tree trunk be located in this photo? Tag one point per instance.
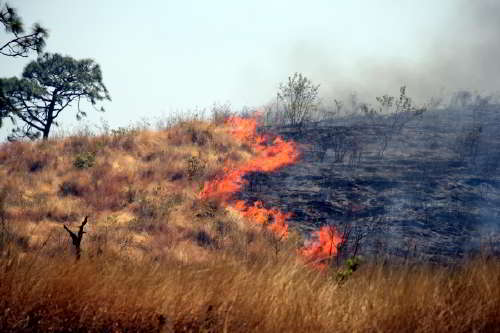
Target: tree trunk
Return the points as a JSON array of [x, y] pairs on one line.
[[50, 116], [46, 130]]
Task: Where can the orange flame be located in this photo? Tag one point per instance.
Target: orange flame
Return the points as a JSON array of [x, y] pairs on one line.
[[273, 219], [324, 247], [271, 155]]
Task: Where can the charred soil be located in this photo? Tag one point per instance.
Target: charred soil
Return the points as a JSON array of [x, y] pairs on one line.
[[433, 195]]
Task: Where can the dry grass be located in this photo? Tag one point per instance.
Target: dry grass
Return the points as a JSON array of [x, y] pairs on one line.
[[40, 293], [142, 184], [156, 258]]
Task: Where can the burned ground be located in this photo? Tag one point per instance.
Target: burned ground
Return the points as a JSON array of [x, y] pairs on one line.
[[433, 195]]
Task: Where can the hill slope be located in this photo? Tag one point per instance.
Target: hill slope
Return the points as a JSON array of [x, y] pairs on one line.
[[156, 257]]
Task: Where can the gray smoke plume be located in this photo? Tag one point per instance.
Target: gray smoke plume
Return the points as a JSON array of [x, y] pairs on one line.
[[463, 55]]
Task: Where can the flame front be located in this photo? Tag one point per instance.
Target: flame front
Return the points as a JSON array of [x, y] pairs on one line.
[[324, 247], [271, 155]]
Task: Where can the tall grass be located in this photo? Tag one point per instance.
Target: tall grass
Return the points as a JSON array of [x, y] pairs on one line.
[[40, 293]]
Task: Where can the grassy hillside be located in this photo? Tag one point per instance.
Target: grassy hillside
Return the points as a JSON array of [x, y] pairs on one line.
[[140, 189], [156, 257]]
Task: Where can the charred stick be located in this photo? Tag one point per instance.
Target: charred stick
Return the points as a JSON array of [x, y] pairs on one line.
[[77, 238]]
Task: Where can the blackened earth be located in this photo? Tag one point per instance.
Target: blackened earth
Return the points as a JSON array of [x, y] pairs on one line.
[[434, 195]]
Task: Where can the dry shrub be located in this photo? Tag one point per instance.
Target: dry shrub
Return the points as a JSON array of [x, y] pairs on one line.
[[199, 137], [221, 112], [77, 144], [10, 152], [195, 167], [155, 209], [70, 187], [124, 140], [23, 157], [38, 158], [191, 133], [110, 189]]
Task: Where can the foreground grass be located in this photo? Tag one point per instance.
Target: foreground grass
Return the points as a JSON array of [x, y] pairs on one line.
[[282, 295]]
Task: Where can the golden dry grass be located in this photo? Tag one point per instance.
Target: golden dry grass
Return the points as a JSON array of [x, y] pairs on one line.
[[42, 293], [141, 185], [156, 258]]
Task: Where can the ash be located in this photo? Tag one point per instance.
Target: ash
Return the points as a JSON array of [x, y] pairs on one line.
[[432, 194]]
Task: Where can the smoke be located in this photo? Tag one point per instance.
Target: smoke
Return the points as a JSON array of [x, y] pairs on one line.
[[461, 52]]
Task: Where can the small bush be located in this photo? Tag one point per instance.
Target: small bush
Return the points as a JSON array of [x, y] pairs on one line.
[[35, 166], [195, 166], [351, 265], [221, 112], [147, 209], [148, 225], [84, 160], [8, 237], [70, 188], [203, 239], [198, 136]]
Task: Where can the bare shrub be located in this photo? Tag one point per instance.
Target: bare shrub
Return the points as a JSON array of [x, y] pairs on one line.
[[221, 112], [343, 143], [466, 144], [391, 116]]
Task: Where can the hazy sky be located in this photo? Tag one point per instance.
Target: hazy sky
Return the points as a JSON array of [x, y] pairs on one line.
[[162, 56]]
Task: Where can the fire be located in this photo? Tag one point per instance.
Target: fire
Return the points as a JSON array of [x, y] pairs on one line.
[[324, 247], [271, 155], [273, 219]]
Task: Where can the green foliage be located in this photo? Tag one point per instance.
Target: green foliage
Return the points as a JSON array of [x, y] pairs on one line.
[[299, 97], [84, 160], [399, 110], [22, 43], [350, 266], [49, 85]]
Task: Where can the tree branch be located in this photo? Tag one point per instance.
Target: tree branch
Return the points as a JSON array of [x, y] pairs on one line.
[[19, 41], [78, 237]]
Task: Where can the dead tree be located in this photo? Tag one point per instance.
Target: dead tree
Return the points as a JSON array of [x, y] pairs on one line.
[[77, 238]]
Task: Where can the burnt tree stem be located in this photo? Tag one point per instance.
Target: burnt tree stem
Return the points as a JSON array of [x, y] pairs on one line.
[[77, 238]]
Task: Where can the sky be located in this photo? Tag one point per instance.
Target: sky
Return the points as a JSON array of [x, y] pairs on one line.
[[164, 57]]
